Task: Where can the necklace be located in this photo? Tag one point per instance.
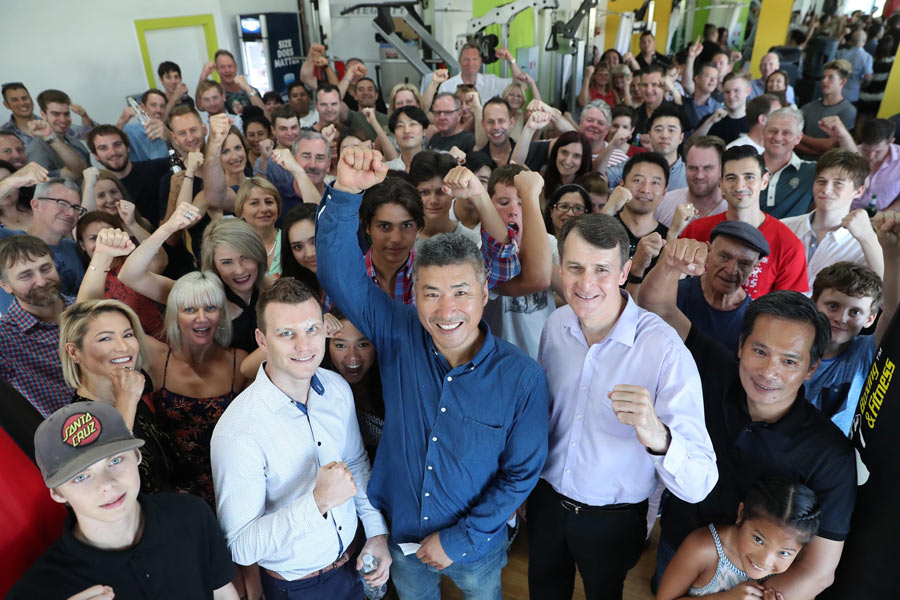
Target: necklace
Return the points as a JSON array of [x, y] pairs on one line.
[[269, 253]]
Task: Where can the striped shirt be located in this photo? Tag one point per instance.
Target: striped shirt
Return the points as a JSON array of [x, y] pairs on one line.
[[29, 358]]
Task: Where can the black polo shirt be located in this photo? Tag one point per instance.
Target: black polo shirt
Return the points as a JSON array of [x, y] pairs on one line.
[[181, 554], [485, 154], [870, 554], [143, 186], [802, 446]]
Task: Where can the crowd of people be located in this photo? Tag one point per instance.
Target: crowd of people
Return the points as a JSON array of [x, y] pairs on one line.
[[346, 324]]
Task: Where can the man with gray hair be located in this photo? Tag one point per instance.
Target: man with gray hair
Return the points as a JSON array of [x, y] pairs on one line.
[[466, 431], [789, 192], [447, 109], [56, 207], [309, 158]]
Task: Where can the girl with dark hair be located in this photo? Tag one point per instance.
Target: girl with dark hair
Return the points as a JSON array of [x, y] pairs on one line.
[[569, 158], [774, 522], [352, 356], [569, 201], [300, 262]]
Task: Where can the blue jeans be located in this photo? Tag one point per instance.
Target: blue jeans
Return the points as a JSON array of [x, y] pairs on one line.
[[478, 580]]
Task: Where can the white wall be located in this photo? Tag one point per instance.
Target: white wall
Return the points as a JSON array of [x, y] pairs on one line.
[[89, 48]]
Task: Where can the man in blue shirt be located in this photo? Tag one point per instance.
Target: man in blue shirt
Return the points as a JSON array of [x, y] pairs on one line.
[[466, 430]]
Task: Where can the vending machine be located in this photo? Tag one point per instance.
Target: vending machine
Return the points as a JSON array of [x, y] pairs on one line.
[[271, 49]]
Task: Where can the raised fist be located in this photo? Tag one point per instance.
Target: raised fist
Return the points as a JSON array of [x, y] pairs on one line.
[[441, 75], [538, 120], [265, 147], [686, 256], [460, 182], [113, 242], [90, 175], [194, 161], [39, 128], [359, 169], [528, 183]]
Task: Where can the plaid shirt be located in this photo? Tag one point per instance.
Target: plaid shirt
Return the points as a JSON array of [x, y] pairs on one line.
[[501, 263], [29, 359]]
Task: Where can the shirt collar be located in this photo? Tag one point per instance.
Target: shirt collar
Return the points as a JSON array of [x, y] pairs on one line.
[[487, 347], [24, 320], [272, 394], [625, 329], [406, 271]]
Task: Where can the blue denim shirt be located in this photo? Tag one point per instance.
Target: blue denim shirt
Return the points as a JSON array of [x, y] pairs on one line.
[[461, 447]]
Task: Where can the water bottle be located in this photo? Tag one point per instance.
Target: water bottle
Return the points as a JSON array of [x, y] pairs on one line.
[[872, 208], [370, 563]]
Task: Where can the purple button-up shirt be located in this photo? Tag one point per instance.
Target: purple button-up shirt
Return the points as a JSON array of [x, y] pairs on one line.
[[885, 182], [595, 459]]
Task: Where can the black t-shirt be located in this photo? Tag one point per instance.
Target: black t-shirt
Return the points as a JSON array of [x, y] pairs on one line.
[[464, 140], [143, 186], [802, 446], [869, 559], [484, 154], [633, 240], [643, 122], [181, 554], [730, 129]]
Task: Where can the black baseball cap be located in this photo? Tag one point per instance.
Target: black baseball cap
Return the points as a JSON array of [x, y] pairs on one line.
[[78, 435], [742, 232]]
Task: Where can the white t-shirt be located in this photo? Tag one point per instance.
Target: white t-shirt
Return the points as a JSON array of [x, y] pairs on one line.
[[520, 319]]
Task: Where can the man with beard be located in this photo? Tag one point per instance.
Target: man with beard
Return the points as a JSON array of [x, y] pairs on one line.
[[29, 329], [496, 122], [447, 109], [148, 141], [110, 146], [703, 163], [12, 150]]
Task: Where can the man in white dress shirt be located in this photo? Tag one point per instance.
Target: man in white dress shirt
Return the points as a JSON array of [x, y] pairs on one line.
[[289, 465], [626, 411], [488, 85]]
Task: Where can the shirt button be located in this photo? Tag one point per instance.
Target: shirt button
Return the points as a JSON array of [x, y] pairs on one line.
[[583, 388], [449, 378], [567, 470], [443, 409], [340, 528], [489, 539], [319, 443], [464, 553], [427, 494], [430, 468], [426, 518], [572, 444], [577, 416], [434, 439]]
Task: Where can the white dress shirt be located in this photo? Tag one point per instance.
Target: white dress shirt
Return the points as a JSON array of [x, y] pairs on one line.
[[836, 246], [488, 85], [595, 459], [266, 452]]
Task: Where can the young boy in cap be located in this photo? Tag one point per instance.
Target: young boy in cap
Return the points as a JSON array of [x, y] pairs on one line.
[[116, 544]]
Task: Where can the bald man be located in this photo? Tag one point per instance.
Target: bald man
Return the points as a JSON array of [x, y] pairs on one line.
[[768, 64]]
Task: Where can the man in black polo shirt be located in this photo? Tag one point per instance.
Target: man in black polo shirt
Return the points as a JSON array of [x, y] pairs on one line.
[[110, 147], [496, 120], [158, 546], [654, 90], [761, 424]]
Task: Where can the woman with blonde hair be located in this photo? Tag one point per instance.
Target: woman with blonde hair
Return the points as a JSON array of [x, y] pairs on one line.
[[104, 354], [258, 203], [404, 94], [230, 248]]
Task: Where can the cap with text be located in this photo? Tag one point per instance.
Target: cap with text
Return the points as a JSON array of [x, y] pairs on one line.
[[78, 435]]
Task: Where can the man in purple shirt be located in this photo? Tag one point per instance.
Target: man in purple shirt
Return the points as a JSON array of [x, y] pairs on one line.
[[626, 411]]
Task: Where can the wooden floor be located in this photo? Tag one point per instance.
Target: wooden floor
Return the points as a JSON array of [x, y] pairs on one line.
[[515, 575]]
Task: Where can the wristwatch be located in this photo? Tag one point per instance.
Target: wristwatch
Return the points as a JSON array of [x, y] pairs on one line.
[[635, 279], [50, 138]]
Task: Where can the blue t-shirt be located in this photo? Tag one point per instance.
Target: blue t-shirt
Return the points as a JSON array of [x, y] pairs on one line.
[[68, 265], [838, 381], [723, 326]]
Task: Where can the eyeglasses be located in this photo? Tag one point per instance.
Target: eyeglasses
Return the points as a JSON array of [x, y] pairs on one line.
[[575, 209], [445, 113], [64, 204]]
